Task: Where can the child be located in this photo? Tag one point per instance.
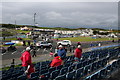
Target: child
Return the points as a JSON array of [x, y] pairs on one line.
[[51, 54], [56, 50]]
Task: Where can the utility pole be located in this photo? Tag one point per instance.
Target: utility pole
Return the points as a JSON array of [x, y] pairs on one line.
[[34, 18], [34, 41], [15, 24], [15, 29]]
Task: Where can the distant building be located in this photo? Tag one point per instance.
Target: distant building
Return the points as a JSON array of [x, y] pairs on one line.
[[26, 28], [50, 32]]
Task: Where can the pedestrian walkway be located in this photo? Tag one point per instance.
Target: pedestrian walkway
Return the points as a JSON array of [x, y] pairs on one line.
[[42, 57]]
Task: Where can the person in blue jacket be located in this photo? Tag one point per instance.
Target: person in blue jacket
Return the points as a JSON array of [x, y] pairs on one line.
[[61, 52]]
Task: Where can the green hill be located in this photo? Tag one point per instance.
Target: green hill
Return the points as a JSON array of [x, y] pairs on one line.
[[55, 28]]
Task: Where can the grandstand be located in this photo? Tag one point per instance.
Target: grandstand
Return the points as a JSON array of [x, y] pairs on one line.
[[97, 64]]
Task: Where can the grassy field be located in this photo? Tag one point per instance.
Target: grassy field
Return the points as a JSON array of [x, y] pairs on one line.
[[11, 32], [20, 31], [15, 44], [86, 39], [9, 39]]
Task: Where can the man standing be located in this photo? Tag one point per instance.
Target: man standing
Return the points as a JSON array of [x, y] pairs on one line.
[[26, 59], [34, 52], [78, 43], [31, 46], [61, 52], [12, 64], [29, 43], [24, 43], [78, 52]]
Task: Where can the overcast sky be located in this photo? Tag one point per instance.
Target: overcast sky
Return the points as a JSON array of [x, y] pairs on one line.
[[62, 14]]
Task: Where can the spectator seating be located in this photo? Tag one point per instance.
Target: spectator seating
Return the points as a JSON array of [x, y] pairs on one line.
[[70, 75], [22, 77], [104, 72], [63, 70], [54, 74], [61, 77], [92, 66], [35, 74]]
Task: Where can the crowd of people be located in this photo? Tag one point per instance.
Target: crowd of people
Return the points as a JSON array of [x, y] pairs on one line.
[[59, 57]]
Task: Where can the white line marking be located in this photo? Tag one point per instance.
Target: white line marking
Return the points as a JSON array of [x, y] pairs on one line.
[[14, 52], [22, 51], [31, 50], [38, 50], [4, 53], [45, 50]]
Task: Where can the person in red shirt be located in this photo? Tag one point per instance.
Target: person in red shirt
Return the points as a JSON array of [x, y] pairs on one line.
[[30, 69], [78, 52], [57, 61], [26, 58]]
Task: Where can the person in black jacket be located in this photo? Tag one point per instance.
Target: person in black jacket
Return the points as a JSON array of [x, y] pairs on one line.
[[34, 52], [28, 43], [12, 63]]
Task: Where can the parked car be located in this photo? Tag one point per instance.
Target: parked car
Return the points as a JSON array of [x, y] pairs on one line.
[[64, 42], [42, 44], [11, 48]]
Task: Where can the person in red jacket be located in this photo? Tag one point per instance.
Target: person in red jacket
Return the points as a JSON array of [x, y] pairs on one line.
[[78, 52], [26, 58], [57, 61]]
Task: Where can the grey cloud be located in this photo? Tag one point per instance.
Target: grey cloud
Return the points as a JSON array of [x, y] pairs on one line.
[[81, 14], [60, 0]]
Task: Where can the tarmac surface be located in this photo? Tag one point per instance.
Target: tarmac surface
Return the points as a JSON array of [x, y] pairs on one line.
[[42, 54]]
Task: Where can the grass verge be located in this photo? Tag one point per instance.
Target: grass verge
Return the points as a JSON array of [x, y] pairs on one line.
[[86, 39]]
